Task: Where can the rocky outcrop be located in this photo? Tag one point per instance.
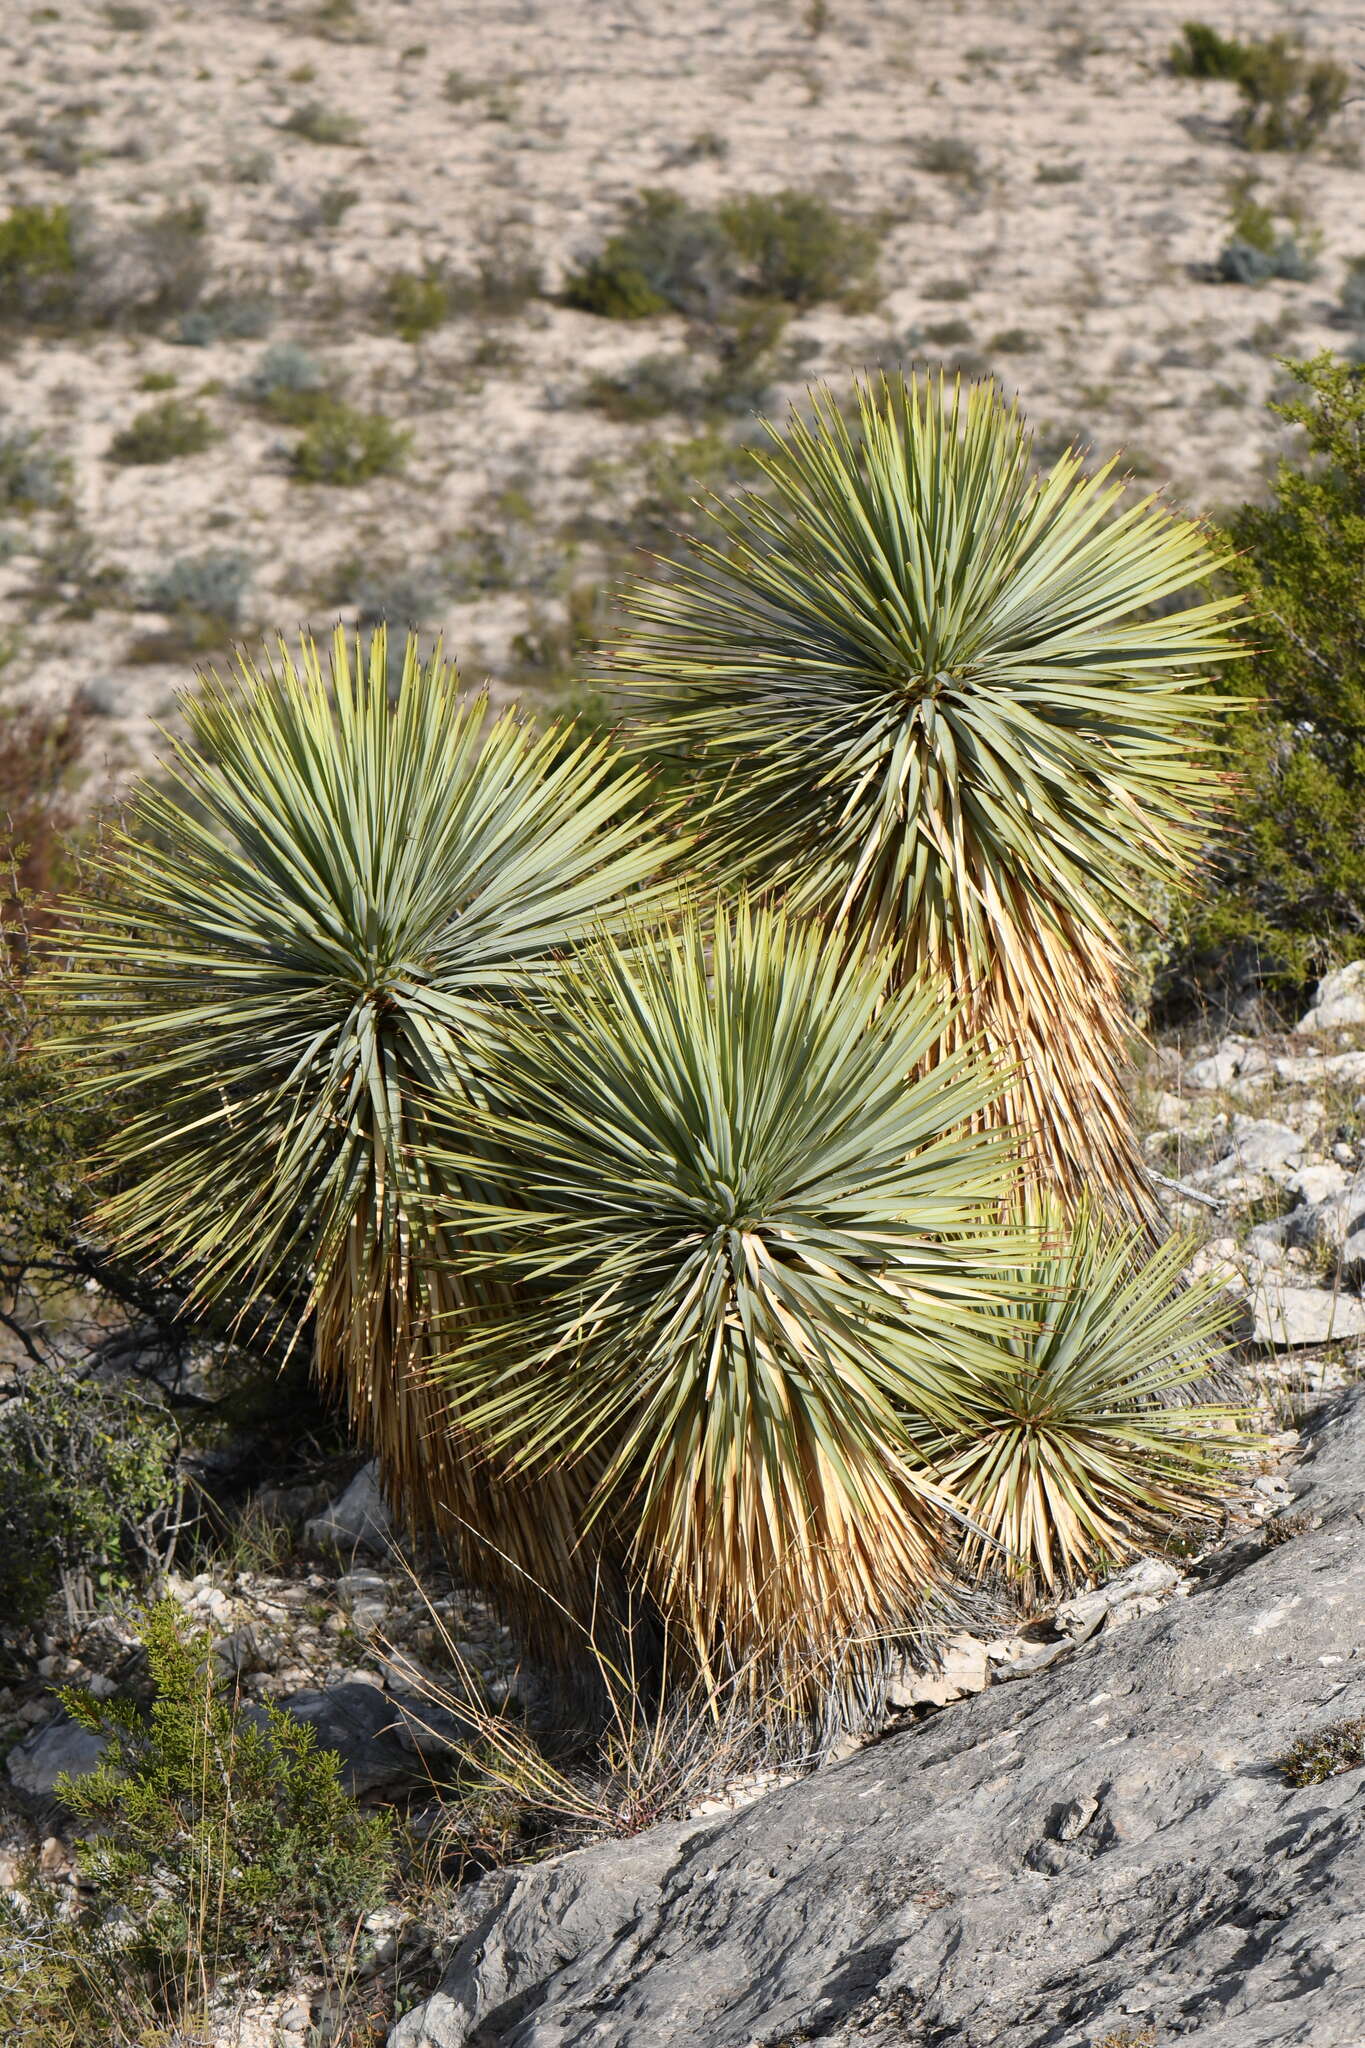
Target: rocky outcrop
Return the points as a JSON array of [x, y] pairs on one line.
[[1105, 1850]]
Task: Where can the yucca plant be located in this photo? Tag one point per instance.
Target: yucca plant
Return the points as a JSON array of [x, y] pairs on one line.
[[315, 927], [956, 707], [1083, 1444], [747, 1251]]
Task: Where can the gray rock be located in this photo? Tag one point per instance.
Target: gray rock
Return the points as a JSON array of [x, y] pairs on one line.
[[1149, 1579], [1107, 1844], [1315, 1068], [1291, 1316], [358, 1520], [36, 1763], [361, 1724], [1326, 1224], [1217, 1068], [1233, 1060], [961, 1667], [1319, 1182], [383, 1743], [1340, 1000], [1259, 1146]]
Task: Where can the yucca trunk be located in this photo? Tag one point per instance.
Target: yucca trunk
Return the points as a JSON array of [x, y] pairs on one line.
[[1048, 1004]]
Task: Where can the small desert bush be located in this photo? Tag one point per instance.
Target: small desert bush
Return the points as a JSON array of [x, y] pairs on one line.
[[327, 126], [290, 383], [344, 446], [143, 275], [415, 302], [203, 594], [164, 432], [87, 1488], [236, 315], [222, 1847], [37, 263], [667, 256], [950, 156], [672, 256], [1340, 1746], [795, 246], [40, 752], [1285, 885], [647, 389], [1260, 248], [1288, 98], [31, 478]]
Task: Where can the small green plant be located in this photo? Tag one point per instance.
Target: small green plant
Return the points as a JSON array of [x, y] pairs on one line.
[[86, 1488], [1064, 173], [344, 446], [950, 156], [37, 263], [157, 380], [333, 203], [1201, 52], [796, 247], [163, 433], [325, 125], [1283, 887], [948, 333], [646, 389], [667, 255], [31, 479], [237, 315], [1013, 341], [290, 383], [1260, 248], [1340, 1746], [130, 20], [224, 1840], [415, 302], [1288, 98], [203, 593]]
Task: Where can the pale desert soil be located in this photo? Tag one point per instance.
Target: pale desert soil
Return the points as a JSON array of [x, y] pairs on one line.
[[579, 104]]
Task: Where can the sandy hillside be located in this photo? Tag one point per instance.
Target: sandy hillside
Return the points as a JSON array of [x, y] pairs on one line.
[[1050, 202]]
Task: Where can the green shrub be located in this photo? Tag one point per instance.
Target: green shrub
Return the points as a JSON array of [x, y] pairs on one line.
[[37, 263], [415, 302], [86, 1486], [163, 432], [344, 446], [1287, 97], [290, 383], [31, 479], [1201, 52], [1259, 248], [795, 246], [646, 389], [222, 1840], [950, 156], [1340, 1746], [668, 255], [1287, 888], [325, 125], [227, 316], [203, 594]]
